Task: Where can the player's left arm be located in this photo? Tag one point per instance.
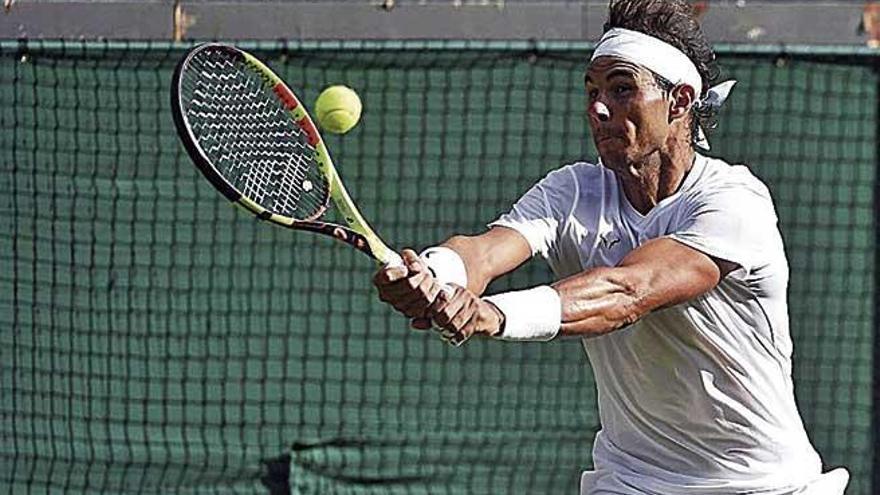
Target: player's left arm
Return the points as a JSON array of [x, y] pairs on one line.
[[729, 226], [660, 273]]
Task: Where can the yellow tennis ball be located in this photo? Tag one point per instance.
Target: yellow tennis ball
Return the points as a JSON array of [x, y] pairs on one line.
[[338, 109]]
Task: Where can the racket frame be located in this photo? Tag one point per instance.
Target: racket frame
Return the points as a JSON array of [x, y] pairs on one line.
[[357, 233]]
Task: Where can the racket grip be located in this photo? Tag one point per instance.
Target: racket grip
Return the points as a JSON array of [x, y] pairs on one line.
[[392, 259]]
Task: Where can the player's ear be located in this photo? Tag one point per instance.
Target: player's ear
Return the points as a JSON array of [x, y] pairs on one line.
[[683, 98]]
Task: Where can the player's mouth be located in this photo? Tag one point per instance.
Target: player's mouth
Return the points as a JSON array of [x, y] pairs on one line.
[[601, 138]]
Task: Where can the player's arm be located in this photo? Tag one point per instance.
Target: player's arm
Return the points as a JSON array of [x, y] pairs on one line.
[[412, 288], [470, 263], [661, 273], [489, 255]]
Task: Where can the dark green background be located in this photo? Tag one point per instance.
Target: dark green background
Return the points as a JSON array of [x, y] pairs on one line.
[[154, 339]]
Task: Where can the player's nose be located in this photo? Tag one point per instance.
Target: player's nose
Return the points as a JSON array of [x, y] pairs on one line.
[[599, 111]]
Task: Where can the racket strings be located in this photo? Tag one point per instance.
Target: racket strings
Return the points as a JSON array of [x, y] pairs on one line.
[[251, 138]]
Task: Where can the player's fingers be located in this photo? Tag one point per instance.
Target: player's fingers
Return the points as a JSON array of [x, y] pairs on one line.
[[419, 282], [484, 320], [462, 317], [420, 323], [429, 287], [389, 274], [439, 304], [474, 325], [415, 308], [448, 289], [415, 281], [445, 334], [411, 297], [412, 261], [446, 305], [452, 338], [456, 340], [413, 302]]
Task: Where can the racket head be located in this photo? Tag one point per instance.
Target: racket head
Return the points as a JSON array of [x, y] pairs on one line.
[[252, 138], [249, 135]]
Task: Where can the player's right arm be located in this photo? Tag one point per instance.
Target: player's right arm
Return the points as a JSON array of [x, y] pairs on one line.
[[411, 288], [529, 229], [490, 255]]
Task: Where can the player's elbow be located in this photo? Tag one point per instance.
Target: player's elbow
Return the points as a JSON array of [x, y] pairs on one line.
[[650, 290], [632, 291], [602, 300]]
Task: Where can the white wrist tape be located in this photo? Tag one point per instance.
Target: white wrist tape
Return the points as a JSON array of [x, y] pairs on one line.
[[529, 315], [446, 265]]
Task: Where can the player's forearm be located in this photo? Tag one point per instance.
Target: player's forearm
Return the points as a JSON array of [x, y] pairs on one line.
[[659, 274], [477, 260], [489, 255], [599, 301]]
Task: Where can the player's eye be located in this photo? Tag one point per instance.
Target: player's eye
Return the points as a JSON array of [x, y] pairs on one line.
[[592, 93], [622, 89]]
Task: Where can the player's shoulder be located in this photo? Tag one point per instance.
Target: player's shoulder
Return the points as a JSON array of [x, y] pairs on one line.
[[586, 169], [582, 180], [578, 173], [572, 184], [719, 176]]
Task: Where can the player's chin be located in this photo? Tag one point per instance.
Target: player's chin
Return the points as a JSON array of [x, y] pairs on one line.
[[613, 152]]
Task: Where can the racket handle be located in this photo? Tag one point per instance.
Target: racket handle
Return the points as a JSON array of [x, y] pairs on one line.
[[392, 259]]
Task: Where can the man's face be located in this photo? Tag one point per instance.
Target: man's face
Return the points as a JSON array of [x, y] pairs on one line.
[[628, 112]]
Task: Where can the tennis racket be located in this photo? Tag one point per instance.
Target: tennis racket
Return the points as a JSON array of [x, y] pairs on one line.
[[253, 140]]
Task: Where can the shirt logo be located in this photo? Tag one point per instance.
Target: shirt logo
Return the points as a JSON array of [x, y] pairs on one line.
[[608, 240]]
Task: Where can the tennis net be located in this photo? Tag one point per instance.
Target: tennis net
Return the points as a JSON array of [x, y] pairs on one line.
[[156, 340]]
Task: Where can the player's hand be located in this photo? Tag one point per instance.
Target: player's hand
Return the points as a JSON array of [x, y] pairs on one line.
[[460, 314], [410, 289]]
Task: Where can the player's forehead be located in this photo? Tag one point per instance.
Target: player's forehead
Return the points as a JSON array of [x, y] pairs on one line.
[[604, 68]]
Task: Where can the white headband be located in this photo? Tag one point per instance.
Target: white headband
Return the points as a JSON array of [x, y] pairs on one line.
[[660, 57], [664, 60]]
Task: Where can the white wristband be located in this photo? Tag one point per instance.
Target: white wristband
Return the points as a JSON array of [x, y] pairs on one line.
[[529, 315], [446, 265]]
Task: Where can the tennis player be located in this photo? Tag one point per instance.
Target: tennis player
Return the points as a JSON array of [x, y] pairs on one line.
[[670, 268]]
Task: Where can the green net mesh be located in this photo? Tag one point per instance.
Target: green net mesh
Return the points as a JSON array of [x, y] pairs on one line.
[[156, 340]]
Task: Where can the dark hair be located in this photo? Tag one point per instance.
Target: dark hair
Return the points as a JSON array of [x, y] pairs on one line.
[[675, 22]]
